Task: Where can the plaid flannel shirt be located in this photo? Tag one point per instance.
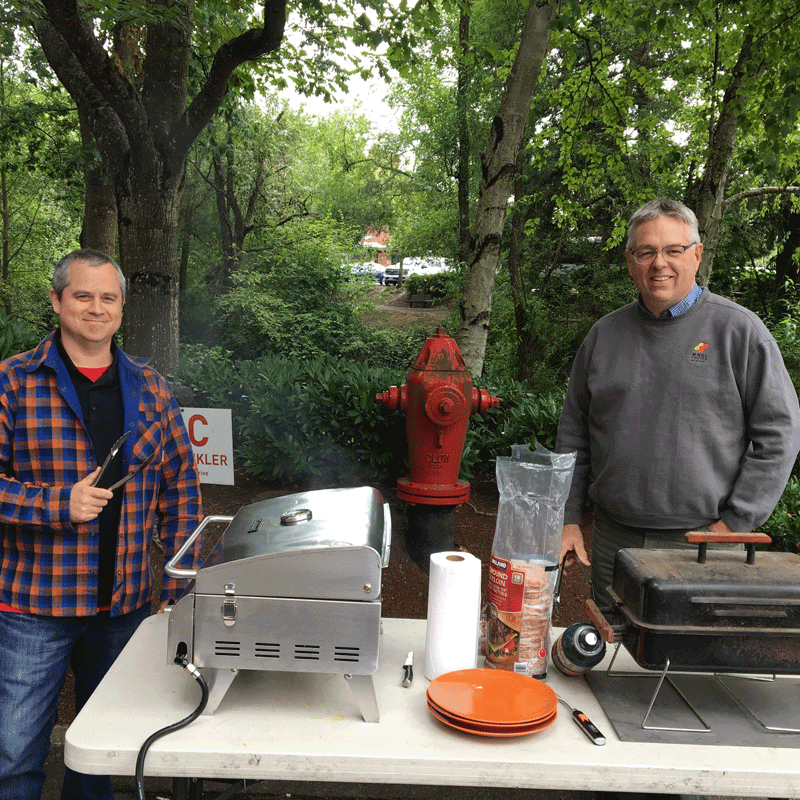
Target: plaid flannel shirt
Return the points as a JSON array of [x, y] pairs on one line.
[[48, 565]]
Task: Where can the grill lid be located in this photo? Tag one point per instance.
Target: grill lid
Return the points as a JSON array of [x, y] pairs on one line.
[[330, 543]]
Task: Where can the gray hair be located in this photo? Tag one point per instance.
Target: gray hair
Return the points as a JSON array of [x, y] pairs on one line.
[[659, 208], [94, 258]]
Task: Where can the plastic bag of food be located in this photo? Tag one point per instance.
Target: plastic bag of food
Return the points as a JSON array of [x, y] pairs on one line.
[[533, 486]]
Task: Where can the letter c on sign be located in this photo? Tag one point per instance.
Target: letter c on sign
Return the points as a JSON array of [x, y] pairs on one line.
[[197, 418]]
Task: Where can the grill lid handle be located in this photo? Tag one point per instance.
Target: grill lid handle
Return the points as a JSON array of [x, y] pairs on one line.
[[296, 516], [703, 538]]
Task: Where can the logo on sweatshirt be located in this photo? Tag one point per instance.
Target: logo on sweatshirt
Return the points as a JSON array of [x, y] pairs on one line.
[[699, 353]]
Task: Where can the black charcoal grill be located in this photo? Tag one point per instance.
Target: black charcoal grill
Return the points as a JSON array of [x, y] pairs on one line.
[[727, 612]]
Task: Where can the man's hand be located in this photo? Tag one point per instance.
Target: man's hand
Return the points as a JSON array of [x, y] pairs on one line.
[[719, 527], [87, 501], [572, 541]]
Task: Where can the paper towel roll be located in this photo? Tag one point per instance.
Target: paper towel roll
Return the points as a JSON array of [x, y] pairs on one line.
[[454, 607]]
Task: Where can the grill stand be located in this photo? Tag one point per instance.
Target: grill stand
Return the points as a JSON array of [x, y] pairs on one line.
[[745, 707], [219, 681], [363, 690], [705, 729], [361, 686]]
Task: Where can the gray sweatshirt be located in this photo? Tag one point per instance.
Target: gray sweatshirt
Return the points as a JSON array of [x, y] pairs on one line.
[[682, 421]]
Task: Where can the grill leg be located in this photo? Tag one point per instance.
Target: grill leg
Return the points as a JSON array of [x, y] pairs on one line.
[[218, 680], [363, 691]]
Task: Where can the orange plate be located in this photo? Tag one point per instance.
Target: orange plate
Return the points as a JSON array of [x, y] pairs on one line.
[[492, 730], [467, 721], [493, 697]]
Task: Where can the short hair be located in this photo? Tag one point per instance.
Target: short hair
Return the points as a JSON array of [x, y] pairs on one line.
[[94, 258], [659, 208]]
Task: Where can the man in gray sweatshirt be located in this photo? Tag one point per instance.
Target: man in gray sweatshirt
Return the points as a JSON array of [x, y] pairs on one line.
[[679, 407]]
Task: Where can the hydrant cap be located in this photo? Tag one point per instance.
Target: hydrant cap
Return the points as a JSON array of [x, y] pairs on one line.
[[440, 353]]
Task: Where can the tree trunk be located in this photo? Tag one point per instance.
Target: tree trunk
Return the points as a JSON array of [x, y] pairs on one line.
[[710, 203], [497, 173], [144, 129], [463, 135], [518, 293], [149, 249], [99, 229]]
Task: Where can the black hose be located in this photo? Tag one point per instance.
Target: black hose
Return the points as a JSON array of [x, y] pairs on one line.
[[195, 673]]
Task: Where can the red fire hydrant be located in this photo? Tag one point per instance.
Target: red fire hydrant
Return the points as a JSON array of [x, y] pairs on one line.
[[437, 398]]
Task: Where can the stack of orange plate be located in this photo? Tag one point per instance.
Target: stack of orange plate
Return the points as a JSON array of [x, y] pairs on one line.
[[492, 702]]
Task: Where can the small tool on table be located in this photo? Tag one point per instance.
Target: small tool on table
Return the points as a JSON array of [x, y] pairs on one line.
[[408, 669], [584, 723]]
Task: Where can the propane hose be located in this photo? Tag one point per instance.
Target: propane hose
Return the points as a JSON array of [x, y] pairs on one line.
[[195, 673]]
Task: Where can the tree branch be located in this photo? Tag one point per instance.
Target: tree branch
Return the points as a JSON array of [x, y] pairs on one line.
[[251, 45], [759, 191], [108, 131], [99, 70]]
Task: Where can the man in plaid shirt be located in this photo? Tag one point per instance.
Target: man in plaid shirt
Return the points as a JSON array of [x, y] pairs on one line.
[[74, 567]]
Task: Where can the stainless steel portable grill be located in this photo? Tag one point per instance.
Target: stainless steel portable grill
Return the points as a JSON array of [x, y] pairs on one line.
[[294, 583]]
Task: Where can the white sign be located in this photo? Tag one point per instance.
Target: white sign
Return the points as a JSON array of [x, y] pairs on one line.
[[211, 435]]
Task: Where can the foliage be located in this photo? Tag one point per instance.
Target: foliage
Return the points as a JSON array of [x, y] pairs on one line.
[[15, 336], [522, 417], [784, 524], [786, 331], [317, 421], [309, 421], [40, 174], [441, 286]]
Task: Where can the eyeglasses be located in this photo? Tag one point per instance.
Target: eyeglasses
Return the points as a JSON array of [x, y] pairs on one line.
[[645, 256]]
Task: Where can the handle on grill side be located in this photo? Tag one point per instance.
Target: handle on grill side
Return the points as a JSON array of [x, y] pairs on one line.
[[703, 538], [184, 572], [387, 535], [604, 628]]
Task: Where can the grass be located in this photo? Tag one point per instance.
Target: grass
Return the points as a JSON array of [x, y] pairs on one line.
[[390, 310]]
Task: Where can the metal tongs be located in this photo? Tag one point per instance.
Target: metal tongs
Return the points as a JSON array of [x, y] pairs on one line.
[[560, 577], [114, 450], [139, 467], [111, 453]]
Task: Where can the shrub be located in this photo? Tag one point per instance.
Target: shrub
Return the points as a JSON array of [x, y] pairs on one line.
[[522, 417], [439, 286], [316, 422], [784, 524], [15, 336]]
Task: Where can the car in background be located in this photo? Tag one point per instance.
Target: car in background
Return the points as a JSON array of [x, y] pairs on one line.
[[424, 265], [391, 275], [368, 269]]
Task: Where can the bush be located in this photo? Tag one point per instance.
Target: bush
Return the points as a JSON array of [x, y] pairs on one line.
[[15, 336], [316, 422], [522, 417], [439, 286], [784, 524]]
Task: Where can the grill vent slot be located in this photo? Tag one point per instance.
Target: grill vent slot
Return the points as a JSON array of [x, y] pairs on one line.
[[306, 652], [267, 650], [342, 653], [227, 648]]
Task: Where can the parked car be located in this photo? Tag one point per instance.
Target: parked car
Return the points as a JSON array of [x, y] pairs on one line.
[[391, 275], [428, 265], [369, 269]]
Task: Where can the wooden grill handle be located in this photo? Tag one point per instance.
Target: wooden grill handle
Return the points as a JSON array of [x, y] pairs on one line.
[[607, 633], [704, 538]]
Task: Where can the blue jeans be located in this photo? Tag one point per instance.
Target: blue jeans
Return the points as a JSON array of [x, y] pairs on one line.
[[35, 652]]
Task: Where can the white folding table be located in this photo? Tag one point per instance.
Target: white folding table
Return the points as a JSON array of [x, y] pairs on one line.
[[297, 727]]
